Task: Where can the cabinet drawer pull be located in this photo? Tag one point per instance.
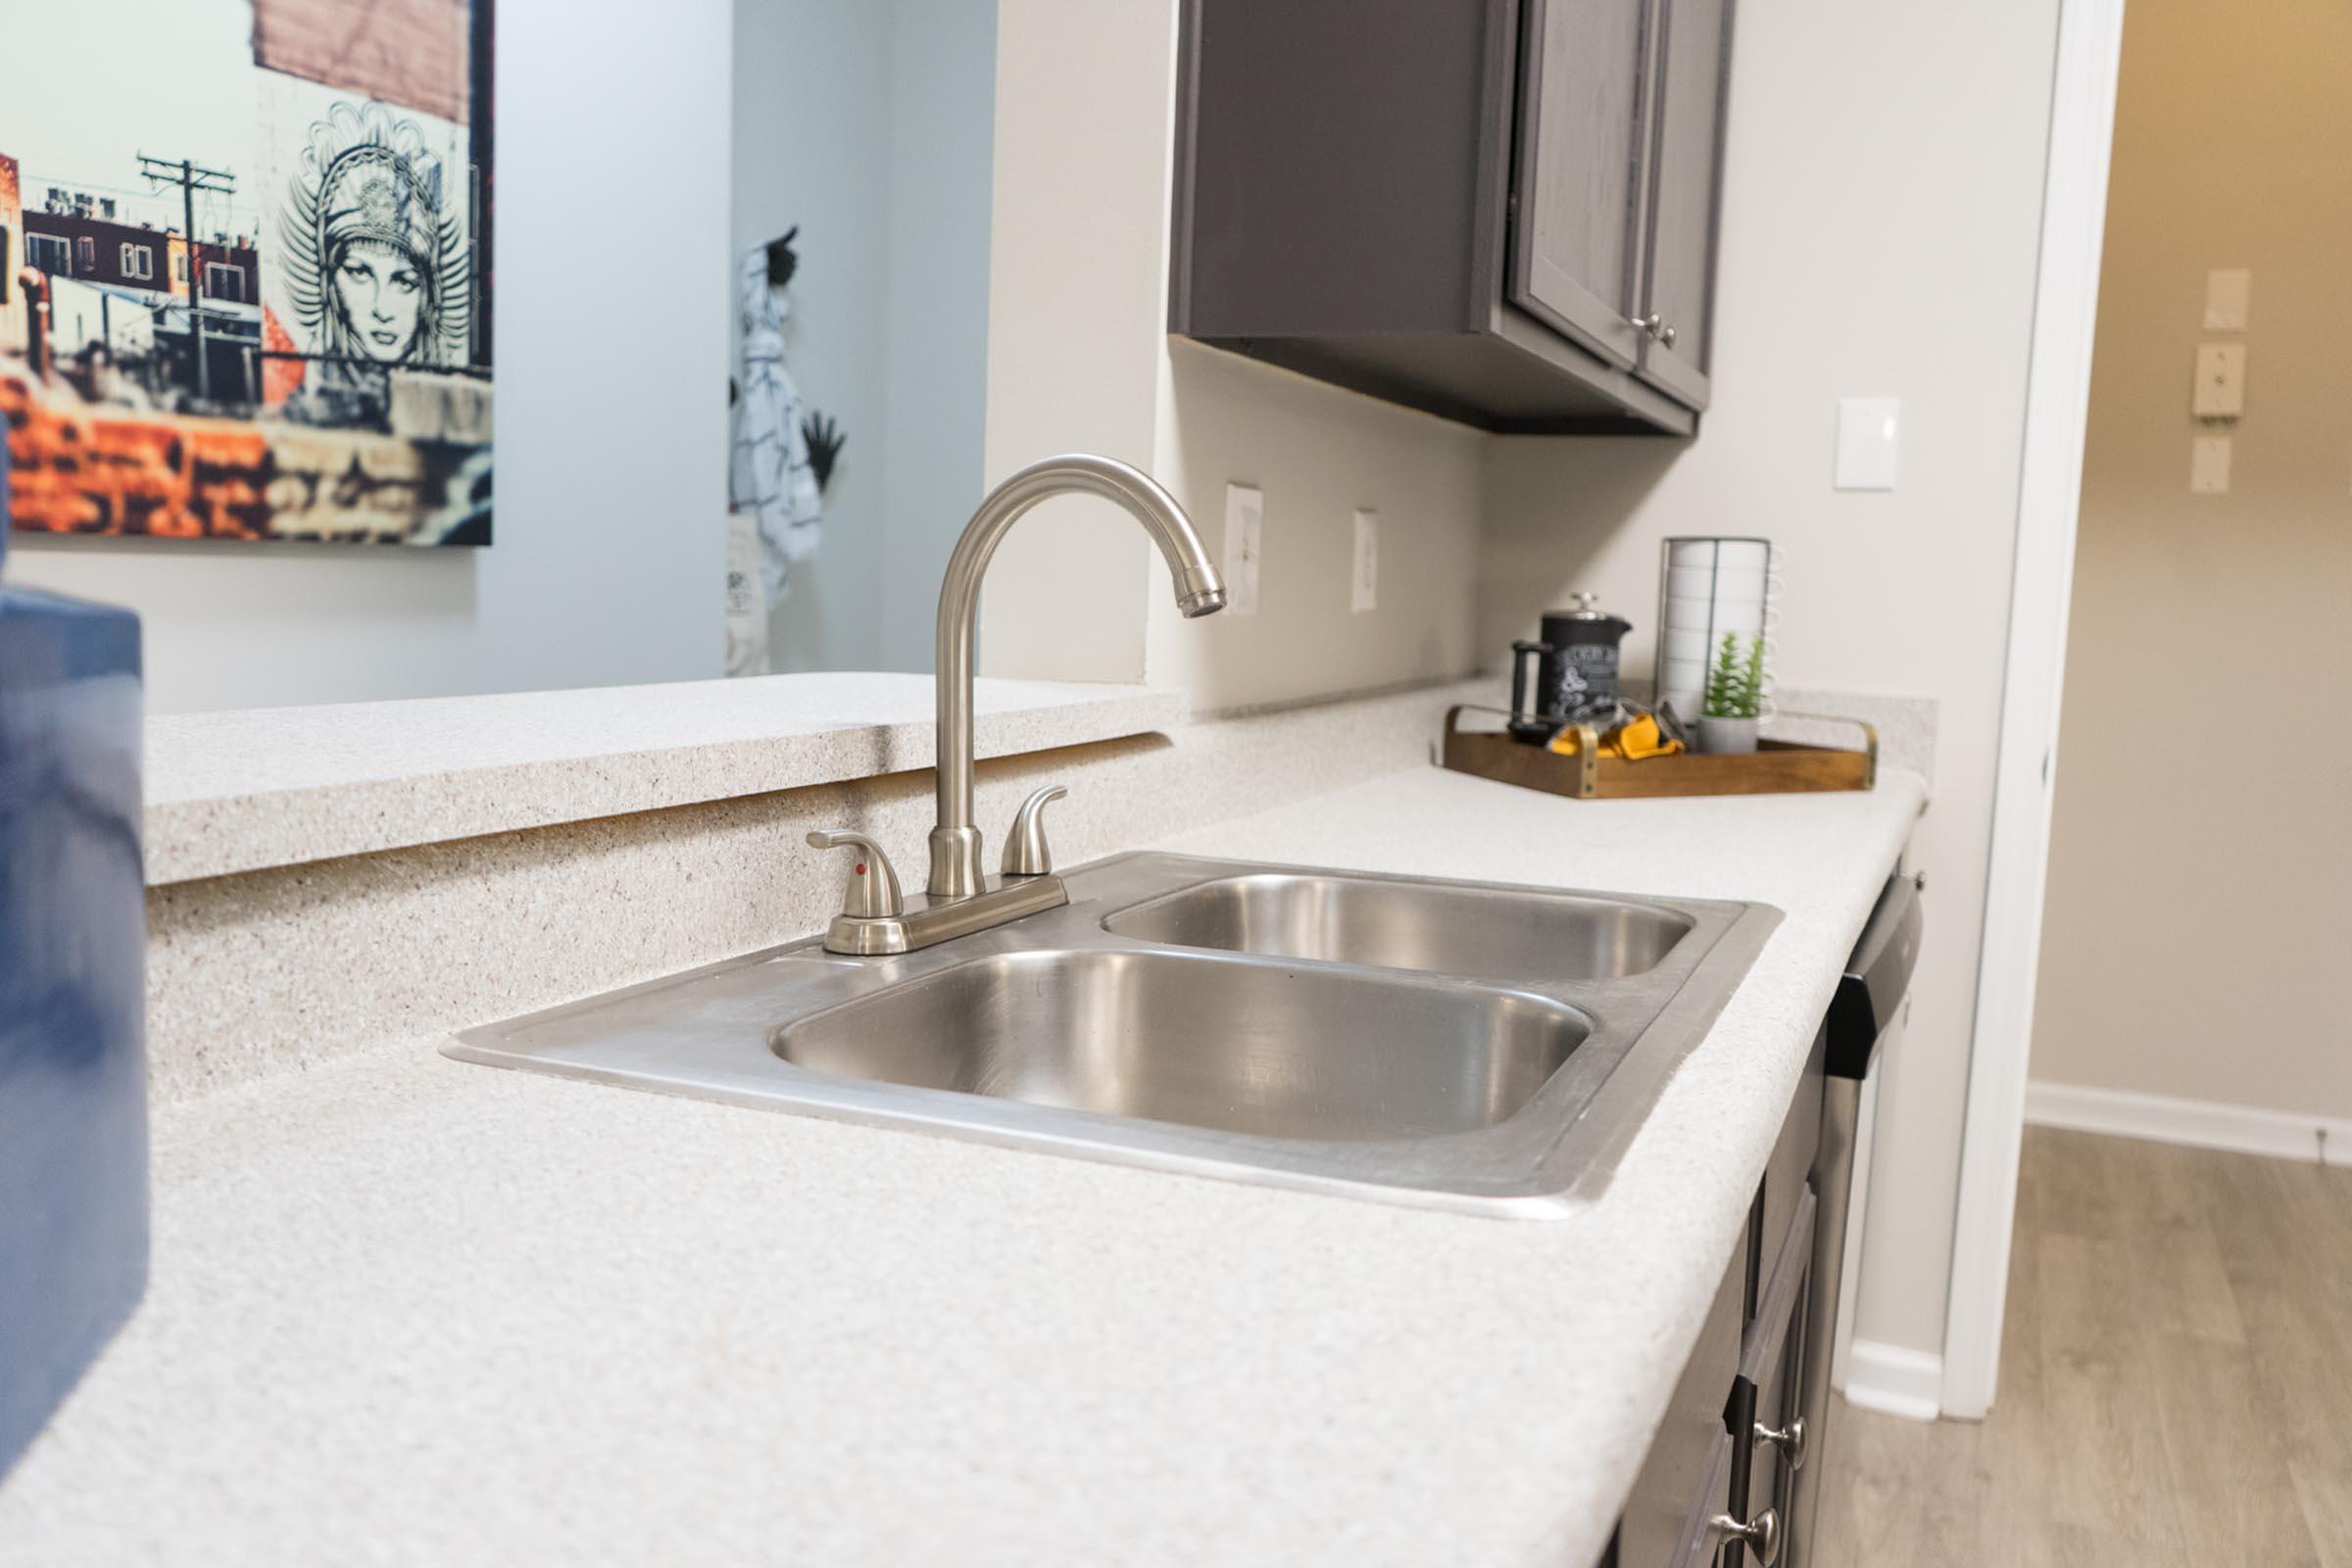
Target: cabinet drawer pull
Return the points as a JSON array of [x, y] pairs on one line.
[[1789, 1439], [1761, 1536]]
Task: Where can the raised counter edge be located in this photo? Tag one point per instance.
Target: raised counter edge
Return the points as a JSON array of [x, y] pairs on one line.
[[251, 788]]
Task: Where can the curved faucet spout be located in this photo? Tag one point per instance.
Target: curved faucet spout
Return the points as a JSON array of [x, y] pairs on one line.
[[1200, 591]]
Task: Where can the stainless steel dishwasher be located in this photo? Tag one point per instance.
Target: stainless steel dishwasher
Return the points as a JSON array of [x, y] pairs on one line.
[[1867, 1009]]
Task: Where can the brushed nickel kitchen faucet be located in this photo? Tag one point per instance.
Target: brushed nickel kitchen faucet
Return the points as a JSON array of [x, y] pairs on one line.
[[957, 899]]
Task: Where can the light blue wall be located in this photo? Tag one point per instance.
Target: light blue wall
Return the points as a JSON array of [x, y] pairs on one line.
[[868, 124]]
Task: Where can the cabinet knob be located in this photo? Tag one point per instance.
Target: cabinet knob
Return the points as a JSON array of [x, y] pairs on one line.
[[1666, 334], [1761, 1534], [1651, 324], [1789, 1439]]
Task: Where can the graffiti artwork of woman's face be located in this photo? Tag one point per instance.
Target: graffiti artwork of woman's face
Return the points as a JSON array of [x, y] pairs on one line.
[[380, 294], [376, 260]]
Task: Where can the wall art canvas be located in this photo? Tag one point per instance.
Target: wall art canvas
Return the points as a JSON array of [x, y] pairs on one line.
[[245, 280]]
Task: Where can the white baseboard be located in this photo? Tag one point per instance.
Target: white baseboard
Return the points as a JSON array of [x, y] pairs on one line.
[[2198, 1123], [1894, 1380]]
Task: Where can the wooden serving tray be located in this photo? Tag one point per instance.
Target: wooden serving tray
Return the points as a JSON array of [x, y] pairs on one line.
[[1776, 768]]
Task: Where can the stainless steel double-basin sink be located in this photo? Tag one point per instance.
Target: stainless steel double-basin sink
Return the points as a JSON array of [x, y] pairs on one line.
[[1460, 1045]]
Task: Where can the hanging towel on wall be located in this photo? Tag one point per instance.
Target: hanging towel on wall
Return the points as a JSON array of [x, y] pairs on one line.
[[747, 602], [770, 476]]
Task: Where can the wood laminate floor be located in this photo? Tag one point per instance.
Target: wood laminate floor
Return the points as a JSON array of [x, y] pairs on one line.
[[2175, 1380]]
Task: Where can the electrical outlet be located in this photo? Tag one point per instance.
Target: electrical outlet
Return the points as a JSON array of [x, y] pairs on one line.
[[2220, 389], [2209, 466], [1363, 592], [1245, 522]]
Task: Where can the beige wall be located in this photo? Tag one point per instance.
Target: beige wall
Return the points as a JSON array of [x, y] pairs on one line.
[[2196, 922], [1881, 228], [1074, 320], [1079, 359]]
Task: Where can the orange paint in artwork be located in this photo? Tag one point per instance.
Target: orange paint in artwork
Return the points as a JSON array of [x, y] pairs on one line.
[[281, 378], [74, 472]]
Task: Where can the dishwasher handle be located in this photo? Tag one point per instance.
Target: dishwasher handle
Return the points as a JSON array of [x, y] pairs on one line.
[[1876, 977]]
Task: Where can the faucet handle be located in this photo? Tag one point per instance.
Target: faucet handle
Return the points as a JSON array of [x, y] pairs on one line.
[[873, 893], [1025, 851]]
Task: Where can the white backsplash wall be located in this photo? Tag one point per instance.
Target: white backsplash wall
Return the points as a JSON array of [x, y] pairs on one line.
[[1878, 240], [1318, 454]]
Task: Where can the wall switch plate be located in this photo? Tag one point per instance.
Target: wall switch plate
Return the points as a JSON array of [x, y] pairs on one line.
[[1363, 592], [2221, 386], [1244, 523], [1868, 438], [2209, 466], [2227, 292]]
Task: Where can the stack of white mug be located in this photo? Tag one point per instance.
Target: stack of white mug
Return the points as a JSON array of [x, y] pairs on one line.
[[1711, 589]]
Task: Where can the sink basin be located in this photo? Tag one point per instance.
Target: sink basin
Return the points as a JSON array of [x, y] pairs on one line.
[[1204, 1042], [1487, 934], [1464, 1046]]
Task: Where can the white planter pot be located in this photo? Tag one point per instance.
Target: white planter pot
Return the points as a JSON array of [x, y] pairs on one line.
[[1725, 737]]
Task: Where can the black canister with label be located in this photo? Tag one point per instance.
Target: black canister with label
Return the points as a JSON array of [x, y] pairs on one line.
[[1576, 668]]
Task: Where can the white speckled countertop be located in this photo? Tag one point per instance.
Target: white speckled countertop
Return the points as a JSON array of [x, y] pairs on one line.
[[408, 1311]]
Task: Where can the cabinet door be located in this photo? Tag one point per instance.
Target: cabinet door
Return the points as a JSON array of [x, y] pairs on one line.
[[1773, 1471], [1772, 1365], [1686, 167], [1584, 128], [1686, 1477]]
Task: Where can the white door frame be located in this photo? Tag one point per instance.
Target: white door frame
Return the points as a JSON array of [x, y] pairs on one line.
[[2074, 218]]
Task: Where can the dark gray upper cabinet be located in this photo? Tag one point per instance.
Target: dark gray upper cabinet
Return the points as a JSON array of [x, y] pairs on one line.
[[1583, 140], [1458, 205], [1679, 292]]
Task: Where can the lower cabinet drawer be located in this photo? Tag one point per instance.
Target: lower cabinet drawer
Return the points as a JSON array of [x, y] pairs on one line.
[[1687, 1473]]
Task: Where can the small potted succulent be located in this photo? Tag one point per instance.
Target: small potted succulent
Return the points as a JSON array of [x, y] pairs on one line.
[[1735, 697]]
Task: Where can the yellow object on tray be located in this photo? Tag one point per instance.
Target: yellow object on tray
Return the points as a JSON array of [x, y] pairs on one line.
[[1633, 740]]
